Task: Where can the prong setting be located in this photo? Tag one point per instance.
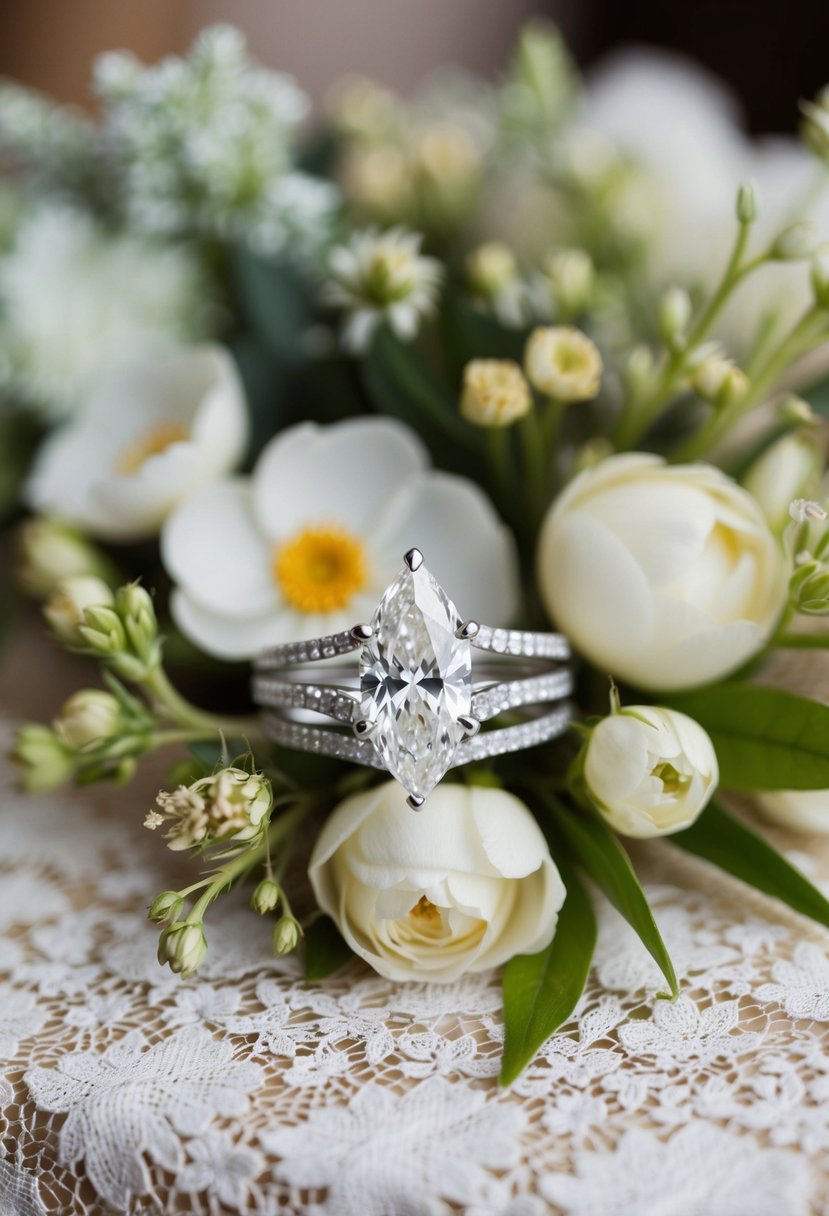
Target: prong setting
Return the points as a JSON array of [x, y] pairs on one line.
[[362, 632], [470, 725], [468, 630], [415, 802], [362, 728], [413, 559]]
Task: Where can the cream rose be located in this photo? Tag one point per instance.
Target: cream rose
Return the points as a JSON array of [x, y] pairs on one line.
[[651, 771], [802, 811], [664, 575], [462, 885]]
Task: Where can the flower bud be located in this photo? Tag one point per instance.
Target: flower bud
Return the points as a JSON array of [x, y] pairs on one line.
[[490, 268], [286, 934], [809, 588], [88, 717], [650, 771], [674, 315], [376, 179], [572, 279], [66, 609], [495, 393], [563, 363], [45, 762], [265, 897], [49, 552], [820, 279], [165, 907], [794, 410], [796, 243], [639, 371], [361, 108], [720, 382], [135, 607], [747, 203], [183, 947], [788, 469], [814, 127], [102, 631]]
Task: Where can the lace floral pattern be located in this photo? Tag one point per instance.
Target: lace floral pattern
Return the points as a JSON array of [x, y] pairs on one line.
[[247, 1091]]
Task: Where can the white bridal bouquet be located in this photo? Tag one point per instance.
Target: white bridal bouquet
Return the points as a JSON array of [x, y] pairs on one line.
[[563, 341]]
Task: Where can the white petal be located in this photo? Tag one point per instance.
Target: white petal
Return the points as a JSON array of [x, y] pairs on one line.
[[340, 475], [213, 550], [465, 545], [510, 836], [230, 637]]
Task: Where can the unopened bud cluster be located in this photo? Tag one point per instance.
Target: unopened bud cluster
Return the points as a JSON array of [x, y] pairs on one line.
[[121, 629]]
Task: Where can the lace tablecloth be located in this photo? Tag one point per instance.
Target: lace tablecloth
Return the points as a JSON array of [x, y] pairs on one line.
[[247, 1090]]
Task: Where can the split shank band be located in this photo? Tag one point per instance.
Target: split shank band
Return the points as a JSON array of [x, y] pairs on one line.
[[440, 679]]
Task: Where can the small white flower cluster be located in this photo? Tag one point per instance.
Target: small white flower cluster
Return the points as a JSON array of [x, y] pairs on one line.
[[50, 142], [204, 145], [128, 296]]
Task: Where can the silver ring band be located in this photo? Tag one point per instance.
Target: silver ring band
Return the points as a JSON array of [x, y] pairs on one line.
[[414, 700]]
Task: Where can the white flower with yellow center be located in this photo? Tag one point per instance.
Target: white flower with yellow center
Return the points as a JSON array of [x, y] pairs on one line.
[[77, 300], [307, 545], [382, 276], [152, 433]]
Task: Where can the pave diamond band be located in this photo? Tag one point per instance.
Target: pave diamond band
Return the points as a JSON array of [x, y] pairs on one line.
[[412, 700]]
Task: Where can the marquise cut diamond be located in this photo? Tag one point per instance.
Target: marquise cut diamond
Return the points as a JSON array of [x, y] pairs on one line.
[[416, 681]]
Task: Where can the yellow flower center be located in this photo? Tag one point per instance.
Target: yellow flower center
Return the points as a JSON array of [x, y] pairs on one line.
[[152, 443], [424, 909], [321, 569]]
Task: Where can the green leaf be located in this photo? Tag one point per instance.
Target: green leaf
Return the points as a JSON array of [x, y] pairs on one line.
[[274, 301], [723, 840], [599, 852], [400, 383], [325, 950], [542, 990], [765, 739], [468, 333]]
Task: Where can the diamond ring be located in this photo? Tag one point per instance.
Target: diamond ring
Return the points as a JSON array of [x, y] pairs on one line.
[[413, 702]]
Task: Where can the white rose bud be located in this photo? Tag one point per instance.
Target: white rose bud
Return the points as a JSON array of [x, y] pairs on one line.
[[66, 608], [49, 552], [788, 469], [495, 393], [651, 771], [674, 578], [803, 811], [462, 886], [88, 717], [563, 363]]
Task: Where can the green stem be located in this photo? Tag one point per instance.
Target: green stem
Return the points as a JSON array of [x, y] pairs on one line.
[[802, 641], [638, 415], [552, 416], [498, 448], [170, 702], [237, 867], [802, 338], [534, 467]]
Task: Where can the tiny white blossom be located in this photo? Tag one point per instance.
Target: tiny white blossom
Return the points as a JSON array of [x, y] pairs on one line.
[[204, 144], [77, 300], [381, 276], [802, 510]]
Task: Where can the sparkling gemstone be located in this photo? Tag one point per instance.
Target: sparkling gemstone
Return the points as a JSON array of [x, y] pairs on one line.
[[416, 680]]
